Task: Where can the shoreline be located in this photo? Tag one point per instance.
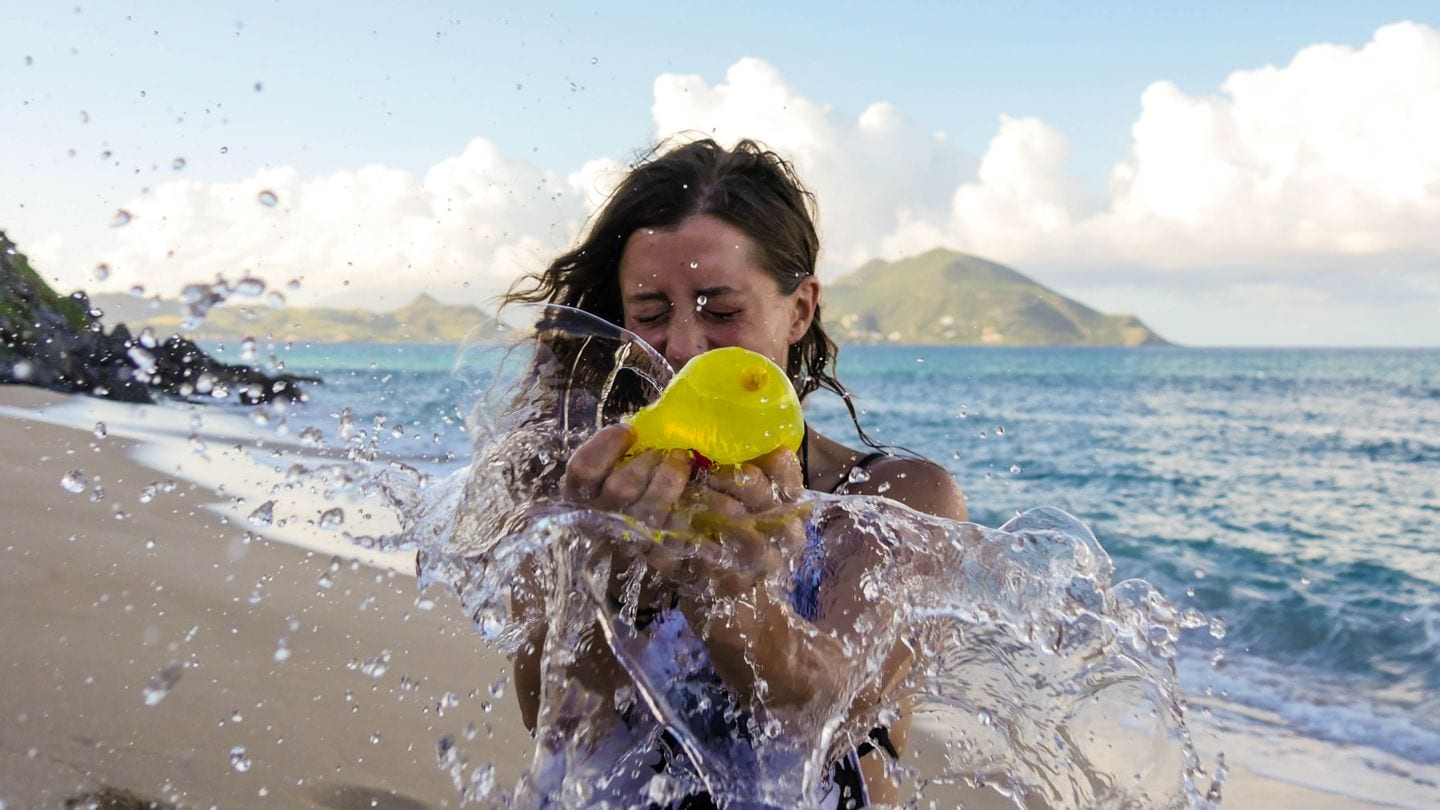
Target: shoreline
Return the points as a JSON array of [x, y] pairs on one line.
[[93, 608]]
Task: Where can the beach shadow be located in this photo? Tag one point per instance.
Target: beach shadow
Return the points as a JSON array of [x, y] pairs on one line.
[[113, 798], [359, 797]]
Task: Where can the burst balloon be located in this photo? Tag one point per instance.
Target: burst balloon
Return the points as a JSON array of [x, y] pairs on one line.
[[728, 405]]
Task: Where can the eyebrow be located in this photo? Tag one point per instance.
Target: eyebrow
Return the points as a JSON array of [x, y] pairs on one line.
[[708, 292]]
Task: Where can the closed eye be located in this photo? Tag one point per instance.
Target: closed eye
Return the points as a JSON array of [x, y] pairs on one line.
[[721, 315]]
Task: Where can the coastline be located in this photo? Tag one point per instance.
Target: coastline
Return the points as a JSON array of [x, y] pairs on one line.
[[93, 607]]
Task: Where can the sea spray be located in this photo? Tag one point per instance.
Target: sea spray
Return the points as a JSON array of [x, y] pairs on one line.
[[1033, 678]]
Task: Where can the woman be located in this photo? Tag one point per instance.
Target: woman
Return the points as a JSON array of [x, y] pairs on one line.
[[699, 248]]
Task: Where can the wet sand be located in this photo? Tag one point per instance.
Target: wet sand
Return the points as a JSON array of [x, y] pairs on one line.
[[90, 612], [92, 607]]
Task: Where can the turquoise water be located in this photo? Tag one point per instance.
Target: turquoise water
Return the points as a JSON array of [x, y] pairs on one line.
[[1290, 494]]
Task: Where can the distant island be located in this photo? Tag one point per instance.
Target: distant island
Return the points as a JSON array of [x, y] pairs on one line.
[[943, 297], [937, 298], [423, 320]]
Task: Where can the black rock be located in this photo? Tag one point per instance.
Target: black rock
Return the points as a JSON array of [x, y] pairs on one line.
[[58, 342]]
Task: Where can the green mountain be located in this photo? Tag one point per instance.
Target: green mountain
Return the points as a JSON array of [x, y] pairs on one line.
[[423, 320], [945, 297], [940, 297]]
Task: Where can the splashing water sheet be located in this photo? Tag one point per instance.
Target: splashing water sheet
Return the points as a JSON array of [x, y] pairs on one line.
[[1035, 678]]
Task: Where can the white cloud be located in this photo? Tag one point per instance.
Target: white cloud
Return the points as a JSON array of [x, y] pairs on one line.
[[1335, 155], [474, 220], [871, 173]]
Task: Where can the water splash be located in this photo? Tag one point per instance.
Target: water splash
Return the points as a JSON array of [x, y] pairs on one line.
[[1033, 677]]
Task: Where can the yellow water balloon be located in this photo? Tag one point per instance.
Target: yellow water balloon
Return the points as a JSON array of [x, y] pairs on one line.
[[729, 405]]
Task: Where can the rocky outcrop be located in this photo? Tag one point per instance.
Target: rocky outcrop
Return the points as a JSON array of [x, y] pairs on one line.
[[59, 342]]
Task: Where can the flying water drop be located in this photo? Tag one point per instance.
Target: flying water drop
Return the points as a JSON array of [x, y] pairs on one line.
[[73, 482], [268, 199], [162, 682], [263, 515], [332, 519]]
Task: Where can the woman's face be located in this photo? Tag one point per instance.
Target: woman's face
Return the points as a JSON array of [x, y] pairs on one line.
[[700, 286]]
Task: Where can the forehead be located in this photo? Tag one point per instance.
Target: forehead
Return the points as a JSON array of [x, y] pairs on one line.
[[701, 251]]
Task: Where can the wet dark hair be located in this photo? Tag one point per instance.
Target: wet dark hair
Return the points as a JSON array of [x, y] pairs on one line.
[[748, 187]]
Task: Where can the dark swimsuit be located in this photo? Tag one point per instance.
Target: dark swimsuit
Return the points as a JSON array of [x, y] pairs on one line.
[[845, 774]]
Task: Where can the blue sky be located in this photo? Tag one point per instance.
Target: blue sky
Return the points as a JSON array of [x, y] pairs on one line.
[[343, 86]]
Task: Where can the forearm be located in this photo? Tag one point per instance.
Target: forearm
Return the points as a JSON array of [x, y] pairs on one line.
[[757, 639]]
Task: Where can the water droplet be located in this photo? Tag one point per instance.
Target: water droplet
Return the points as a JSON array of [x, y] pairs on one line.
[[238, 760], [247, 349], [268, 199], [236, 716], [121, 218], [138, 290], [263, 515], [312, 437], [101, 431], [497, 689], [999, 430], [332, 519], [857, 475], [224, 150], [250, 286], [694, 265], [1217, 627], [73, 481], [197, 445], [162, 682], [177, 164], [347, 423], [147, 493], [282, 650], [883, 488], [377, 666], [1014, 469], [700, 302], [102, 270]]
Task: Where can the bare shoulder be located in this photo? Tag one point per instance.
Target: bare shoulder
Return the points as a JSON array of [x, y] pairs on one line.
[[918, 483]]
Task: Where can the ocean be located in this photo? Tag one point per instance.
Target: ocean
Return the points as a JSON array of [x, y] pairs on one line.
[[1288, 494]]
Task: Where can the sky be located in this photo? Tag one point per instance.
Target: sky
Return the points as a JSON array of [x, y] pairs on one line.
[[1233, 175]]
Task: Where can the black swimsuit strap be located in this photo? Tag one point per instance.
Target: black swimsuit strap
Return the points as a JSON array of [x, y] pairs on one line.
[[869, 459]]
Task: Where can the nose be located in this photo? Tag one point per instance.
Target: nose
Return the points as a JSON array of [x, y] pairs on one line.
[[684, 339]]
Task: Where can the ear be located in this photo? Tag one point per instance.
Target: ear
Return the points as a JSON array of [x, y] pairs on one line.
[[806, 300]]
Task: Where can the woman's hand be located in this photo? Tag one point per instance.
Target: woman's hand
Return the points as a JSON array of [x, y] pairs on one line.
[[648, 487], [724, 530], [748, 526]]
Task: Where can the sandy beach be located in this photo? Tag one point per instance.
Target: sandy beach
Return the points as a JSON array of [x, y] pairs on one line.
[[337, 686]]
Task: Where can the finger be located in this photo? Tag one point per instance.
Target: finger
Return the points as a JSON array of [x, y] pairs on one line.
[[663, 488], [744, 483], [782, 467], [627, 482], [593, 461]]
